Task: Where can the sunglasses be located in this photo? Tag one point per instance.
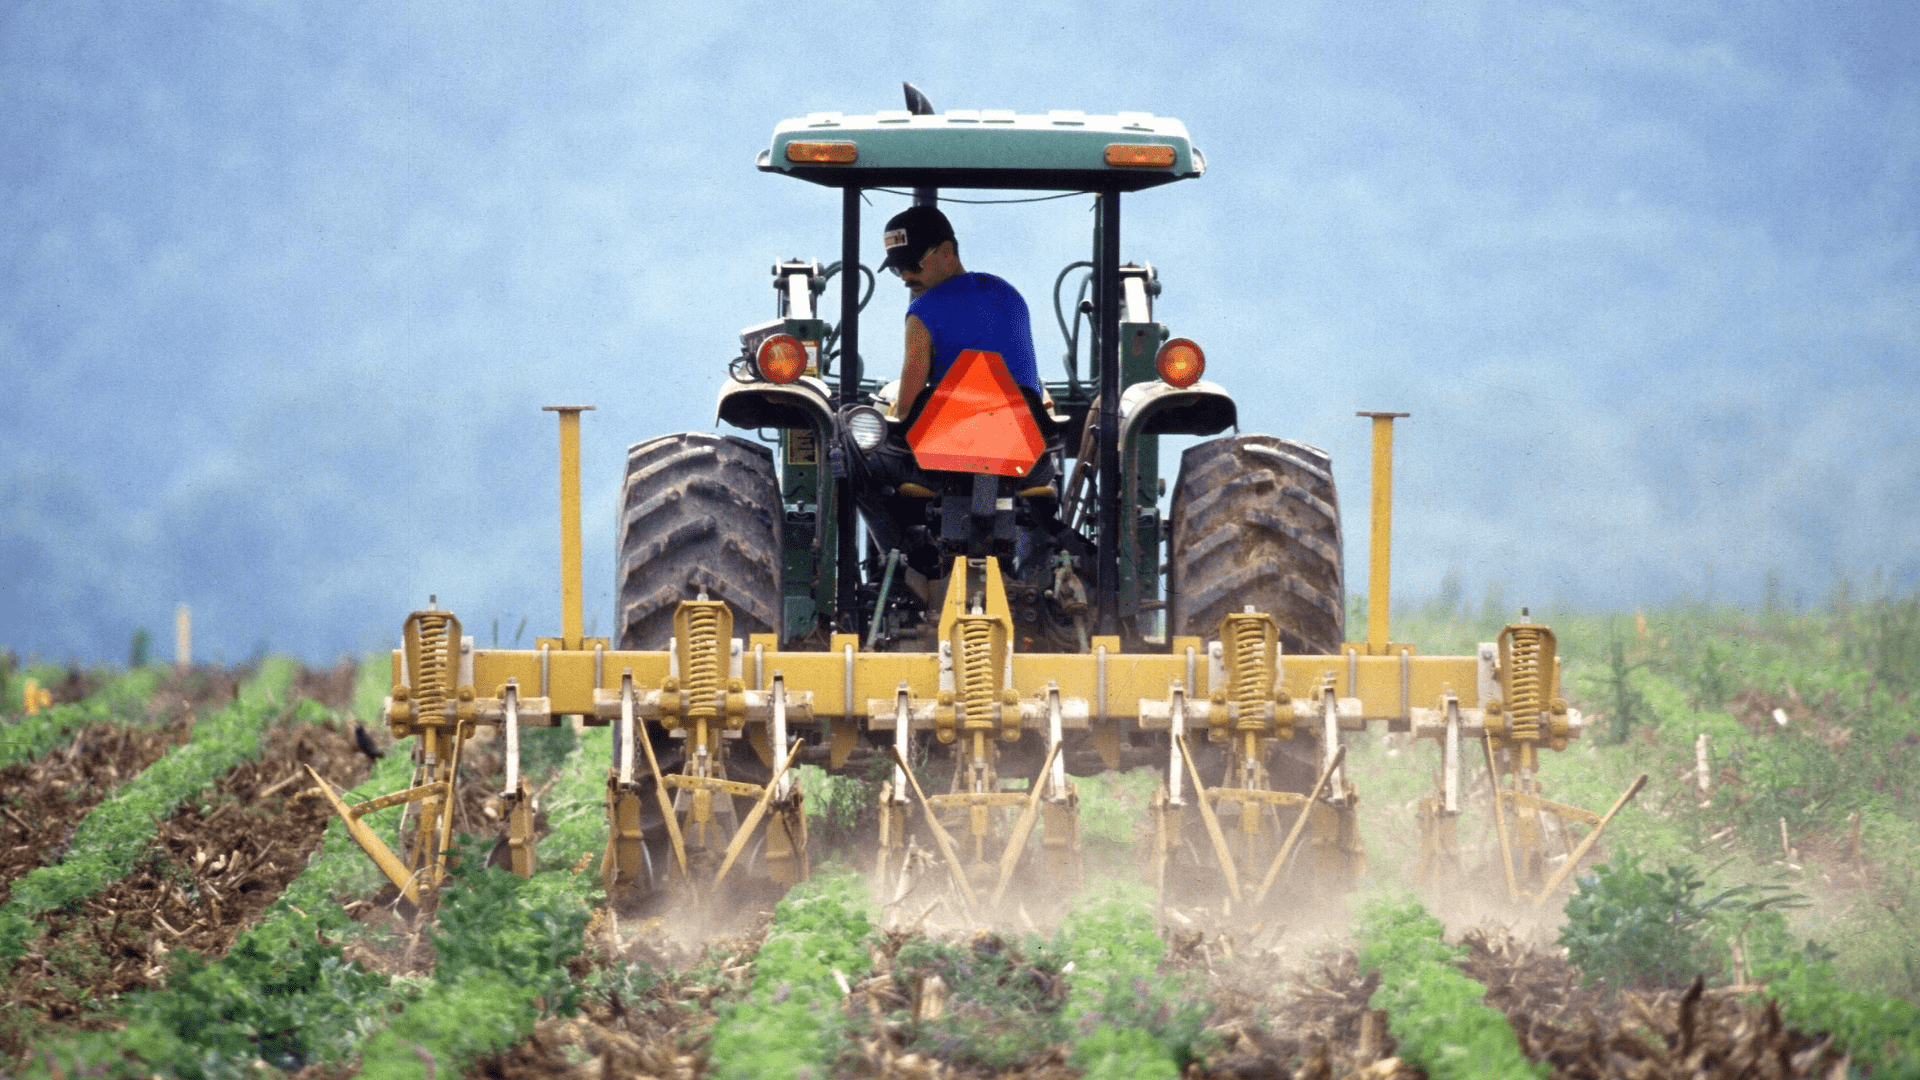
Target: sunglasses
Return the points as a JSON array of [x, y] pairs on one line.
[[899, 271]]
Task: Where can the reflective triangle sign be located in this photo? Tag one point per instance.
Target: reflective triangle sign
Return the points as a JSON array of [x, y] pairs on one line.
[[977, 421]]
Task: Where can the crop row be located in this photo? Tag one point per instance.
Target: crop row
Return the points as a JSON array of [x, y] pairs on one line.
[[111, 839], [25, 738], [1434, 1010], [286, 995]]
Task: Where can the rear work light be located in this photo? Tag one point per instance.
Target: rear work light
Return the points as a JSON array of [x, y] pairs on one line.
[[1180, 362], [1139, 156], [781, 359], [823, 153]]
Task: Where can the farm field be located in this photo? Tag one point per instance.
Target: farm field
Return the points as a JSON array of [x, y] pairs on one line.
[[173, 903]]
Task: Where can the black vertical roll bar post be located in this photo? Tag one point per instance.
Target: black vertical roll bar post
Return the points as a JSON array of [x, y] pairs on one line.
[[1107, 304], [846, 614]]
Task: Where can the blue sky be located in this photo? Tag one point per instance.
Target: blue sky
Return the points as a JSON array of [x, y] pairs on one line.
[[283, 286]]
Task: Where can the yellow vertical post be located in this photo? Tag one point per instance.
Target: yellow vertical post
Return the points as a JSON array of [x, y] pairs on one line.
[[572, 629], [1380, 546], [182, 636]]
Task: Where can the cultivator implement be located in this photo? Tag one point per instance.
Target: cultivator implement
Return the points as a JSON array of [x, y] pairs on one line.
[[1028, 609], [1230, 711]]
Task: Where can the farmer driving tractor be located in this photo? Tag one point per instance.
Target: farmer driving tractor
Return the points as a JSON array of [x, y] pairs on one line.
[[952, 309]]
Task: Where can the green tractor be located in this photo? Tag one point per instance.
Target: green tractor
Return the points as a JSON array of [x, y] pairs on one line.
[[769, 526], [1064, 544]]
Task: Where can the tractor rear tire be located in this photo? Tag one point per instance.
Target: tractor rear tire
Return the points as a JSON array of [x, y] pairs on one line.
[[1256, 521], [698, 513]]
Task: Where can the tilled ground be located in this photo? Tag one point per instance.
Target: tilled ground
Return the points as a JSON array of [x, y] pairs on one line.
[[216, 864], [1587, 1034], [1273, 1018], [45, 799]]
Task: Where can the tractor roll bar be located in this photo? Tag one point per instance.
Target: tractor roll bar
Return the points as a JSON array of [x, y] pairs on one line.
[[846, 574], [1106, 299], [1107, 313]]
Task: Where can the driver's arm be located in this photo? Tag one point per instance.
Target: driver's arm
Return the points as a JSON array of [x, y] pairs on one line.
[[917, 365]]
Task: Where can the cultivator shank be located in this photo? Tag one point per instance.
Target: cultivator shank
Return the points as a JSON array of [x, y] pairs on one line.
[[1518, 680]]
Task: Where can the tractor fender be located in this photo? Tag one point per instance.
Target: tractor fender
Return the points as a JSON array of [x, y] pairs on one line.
[[806, 403], [1154, 408]]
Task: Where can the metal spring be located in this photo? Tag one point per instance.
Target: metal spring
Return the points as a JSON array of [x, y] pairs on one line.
[[701, 679], [432, 683], [1252, 682], [976, 667], [1525, 696]]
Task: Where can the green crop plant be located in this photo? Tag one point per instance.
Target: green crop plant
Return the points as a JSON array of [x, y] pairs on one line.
[[1126, 1018], [576, 806], [502, 949], [116, 835], [1879, 1031], [1114, 805], [1433, 1009], [791, 1022], [1001, 1007], [283, 992], [286, 998], [1628, 926], [122, 700]]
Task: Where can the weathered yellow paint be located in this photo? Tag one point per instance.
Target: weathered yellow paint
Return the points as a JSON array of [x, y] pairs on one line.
[[1380, 544], [570, 588], [570, 679]]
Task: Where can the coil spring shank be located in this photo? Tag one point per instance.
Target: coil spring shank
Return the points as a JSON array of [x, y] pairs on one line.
[[430, 643], [1251, 644], [1525, 683], [1252, 681], [977, 686], [700, 635], [434, 681]]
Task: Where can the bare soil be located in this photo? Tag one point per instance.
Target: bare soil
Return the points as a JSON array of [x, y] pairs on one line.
[[45, 800], [1274, 1017], [215, 866]]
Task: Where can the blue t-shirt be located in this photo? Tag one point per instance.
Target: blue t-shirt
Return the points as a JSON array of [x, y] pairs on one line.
[[977, 311]]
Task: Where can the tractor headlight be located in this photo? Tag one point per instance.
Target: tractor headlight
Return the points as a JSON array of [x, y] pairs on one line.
[[867, 426]]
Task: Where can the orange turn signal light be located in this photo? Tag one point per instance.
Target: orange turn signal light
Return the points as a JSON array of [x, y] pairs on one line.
[[1180, 362], [782, 358], [823, 153], [1140, 156]]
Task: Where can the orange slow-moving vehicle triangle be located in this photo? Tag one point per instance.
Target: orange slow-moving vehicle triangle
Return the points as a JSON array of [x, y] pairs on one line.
[[977, 421]]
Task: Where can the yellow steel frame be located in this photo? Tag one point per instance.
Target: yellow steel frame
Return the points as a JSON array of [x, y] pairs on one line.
[[975, 690]]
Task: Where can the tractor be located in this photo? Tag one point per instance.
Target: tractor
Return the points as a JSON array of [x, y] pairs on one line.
[[1017, 611], [1028, 521]]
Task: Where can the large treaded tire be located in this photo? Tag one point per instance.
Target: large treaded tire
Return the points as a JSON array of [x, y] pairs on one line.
[[698, 512], [1256, 521]]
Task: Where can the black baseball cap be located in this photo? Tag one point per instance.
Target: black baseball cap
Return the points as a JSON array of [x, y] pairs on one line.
[[912, 233]]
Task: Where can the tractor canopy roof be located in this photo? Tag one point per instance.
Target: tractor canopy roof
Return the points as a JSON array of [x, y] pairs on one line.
[[1060, 150]]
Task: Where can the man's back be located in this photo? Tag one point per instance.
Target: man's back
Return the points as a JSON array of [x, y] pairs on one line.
[[978, 311]]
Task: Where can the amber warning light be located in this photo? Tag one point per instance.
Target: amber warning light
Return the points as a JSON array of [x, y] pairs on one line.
[[782, 358], [1181, 363], [1140, 156], [823, 153]]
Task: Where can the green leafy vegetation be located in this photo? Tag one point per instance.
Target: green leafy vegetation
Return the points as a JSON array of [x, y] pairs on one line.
[[122, 700], [502, 945], [1433, 1009], [287, 998], [113, 838], [1002, 1006], [1628, 926], [790, 1023], [576, 804], [1127, 1018]]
